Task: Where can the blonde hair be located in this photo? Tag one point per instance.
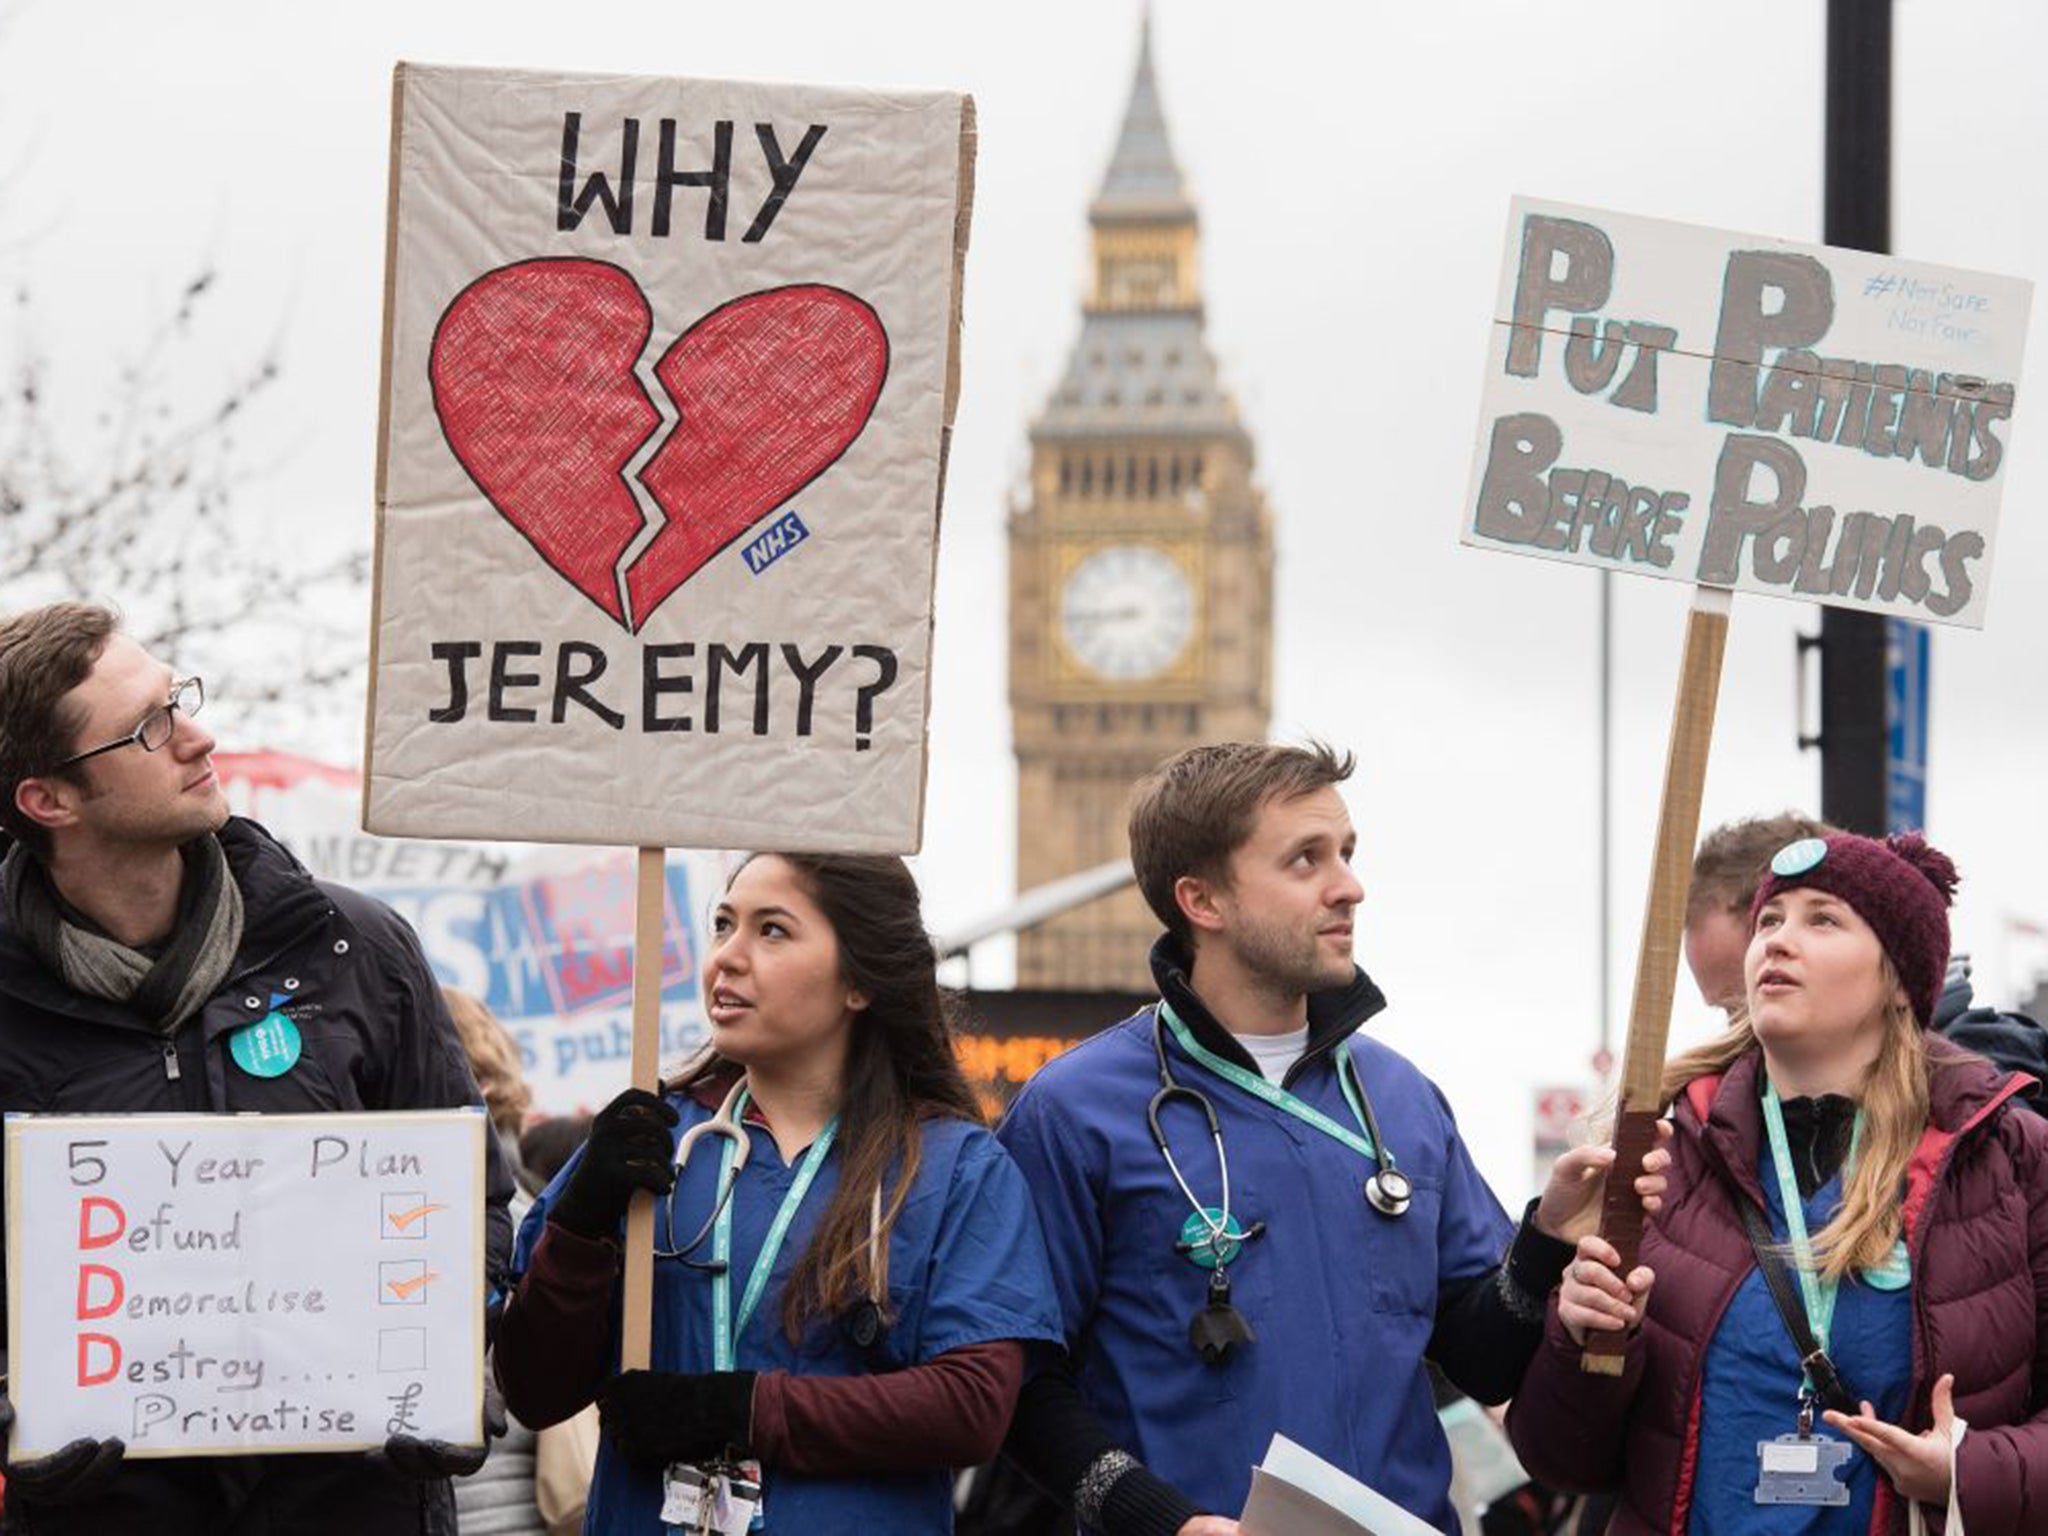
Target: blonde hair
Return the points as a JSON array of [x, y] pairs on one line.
[[1895, 1101], [494, 1058]]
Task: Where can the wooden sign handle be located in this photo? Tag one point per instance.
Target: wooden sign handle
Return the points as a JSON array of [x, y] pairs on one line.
[[1649, 1020], [636, 1343]]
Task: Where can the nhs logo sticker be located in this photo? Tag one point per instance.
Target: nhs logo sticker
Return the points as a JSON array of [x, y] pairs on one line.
[[781, 536]]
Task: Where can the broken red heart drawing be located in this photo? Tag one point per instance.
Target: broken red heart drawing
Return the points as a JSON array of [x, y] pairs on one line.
[[534, 381]]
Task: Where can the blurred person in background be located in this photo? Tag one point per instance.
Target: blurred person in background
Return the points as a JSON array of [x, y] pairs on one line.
[[1730, 863], [546, 1146], [534, 1484]]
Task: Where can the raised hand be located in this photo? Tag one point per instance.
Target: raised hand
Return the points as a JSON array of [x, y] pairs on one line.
[[1570, 1207], [629, 1149], [1593, 1297]]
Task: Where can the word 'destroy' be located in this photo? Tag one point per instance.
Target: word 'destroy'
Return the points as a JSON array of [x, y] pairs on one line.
[[260, 1283], [1710, 407]]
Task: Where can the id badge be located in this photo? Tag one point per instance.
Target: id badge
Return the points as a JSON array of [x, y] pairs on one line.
[[737, 1506], [749, 1484], [1800, 1469]]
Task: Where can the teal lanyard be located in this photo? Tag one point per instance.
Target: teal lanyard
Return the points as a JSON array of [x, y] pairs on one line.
[[1818, 1295], [725, 1331], [1359, 1141]]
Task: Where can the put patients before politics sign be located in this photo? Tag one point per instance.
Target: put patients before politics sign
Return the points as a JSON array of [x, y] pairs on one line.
[[1739, 412], [670, 368], [191, 1284]]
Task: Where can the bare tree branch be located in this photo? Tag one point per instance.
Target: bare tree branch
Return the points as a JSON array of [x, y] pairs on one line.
[[134, 502]]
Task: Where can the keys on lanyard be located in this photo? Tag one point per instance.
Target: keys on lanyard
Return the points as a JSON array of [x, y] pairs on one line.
[[720, 1498], [724, 1497]]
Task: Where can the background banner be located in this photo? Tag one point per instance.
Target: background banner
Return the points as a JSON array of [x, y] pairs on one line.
[[544, 935]]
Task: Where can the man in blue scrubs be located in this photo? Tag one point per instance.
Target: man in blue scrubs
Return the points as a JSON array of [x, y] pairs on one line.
[[1355, 1236]]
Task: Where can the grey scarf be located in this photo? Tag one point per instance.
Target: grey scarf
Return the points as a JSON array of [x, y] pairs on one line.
[[167, 988]]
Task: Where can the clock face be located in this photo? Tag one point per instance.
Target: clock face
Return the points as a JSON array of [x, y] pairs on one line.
[[1127, 612]]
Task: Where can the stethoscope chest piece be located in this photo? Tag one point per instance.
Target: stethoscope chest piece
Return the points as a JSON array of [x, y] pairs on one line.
[[864, 1324], [1389, 1192]]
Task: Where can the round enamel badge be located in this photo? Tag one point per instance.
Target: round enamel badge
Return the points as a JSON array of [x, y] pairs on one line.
[[1797, 858], [268, 1048], [1204, 1244]]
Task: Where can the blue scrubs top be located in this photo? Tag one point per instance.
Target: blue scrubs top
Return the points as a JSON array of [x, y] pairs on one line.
[[966, 1266], [1750, 1390], [1343, 1299]]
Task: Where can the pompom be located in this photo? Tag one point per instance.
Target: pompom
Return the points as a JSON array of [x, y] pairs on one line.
[[1938, 868]]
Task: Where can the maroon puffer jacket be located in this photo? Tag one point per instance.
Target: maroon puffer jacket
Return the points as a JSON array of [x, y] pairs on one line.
[[1977, 1224]]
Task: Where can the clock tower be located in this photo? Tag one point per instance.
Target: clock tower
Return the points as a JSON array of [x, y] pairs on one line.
[[1141, 562]]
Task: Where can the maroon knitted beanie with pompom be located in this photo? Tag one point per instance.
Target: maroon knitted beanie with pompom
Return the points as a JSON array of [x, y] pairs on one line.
[[1902, 886]]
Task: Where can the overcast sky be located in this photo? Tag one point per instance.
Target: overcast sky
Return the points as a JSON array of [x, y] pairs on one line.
[[1353, 166]]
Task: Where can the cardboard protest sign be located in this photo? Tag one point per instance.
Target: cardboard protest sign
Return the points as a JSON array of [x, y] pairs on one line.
[[670, 368], [1744, 414], [245, 1283], [1795, 420]]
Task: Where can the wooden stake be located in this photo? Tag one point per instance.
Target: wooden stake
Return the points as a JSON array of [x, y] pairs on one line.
[[636, 1343], [1649, 1020]]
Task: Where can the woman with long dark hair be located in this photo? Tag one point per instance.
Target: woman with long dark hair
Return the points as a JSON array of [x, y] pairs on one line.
[[1842, 1311], [849, 1269]]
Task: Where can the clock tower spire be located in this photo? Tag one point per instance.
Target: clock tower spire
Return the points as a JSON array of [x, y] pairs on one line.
[[1141, 559]]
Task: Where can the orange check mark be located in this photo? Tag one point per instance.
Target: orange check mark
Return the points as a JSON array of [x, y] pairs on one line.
[[404, 1219], [404, 1288]]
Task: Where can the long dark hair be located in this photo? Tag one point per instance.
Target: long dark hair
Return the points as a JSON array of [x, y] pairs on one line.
[[900, 1069]]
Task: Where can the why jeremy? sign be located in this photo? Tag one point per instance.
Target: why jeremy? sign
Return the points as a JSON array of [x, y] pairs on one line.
[[669, 373], [1795, 420]]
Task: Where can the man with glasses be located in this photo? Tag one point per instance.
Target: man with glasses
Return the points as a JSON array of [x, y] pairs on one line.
[[146, 937]]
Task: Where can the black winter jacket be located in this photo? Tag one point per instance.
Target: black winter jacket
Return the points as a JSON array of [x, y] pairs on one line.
[[376, 1036]]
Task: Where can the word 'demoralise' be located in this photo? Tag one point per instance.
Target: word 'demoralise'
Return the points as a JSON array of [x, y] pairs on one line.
[[259, 1283], [1742, 413]]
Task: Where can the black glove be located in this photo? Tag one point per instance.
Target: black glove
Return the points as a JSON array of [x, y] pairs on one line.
[[80, 1470], [426, 1460], [656, 1417], [629, 1149]]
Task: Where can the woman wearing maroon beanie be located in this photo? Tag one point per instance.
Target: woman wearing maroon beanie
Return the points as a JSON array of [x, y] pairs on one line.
[[1842, 1309]]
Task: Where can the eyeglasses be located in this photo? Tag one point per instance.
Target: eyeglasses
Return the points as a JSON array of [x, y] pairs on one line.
[[188, 697]]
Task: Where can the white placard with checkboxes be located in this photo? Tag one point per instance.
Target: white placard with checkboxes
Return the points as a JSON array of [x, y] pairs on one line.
[[212, 1283]]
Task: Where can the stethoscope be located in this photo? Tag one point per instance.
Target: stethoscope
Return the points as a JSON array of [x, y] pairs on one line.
[[1214, 1240], [864, 1323]]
